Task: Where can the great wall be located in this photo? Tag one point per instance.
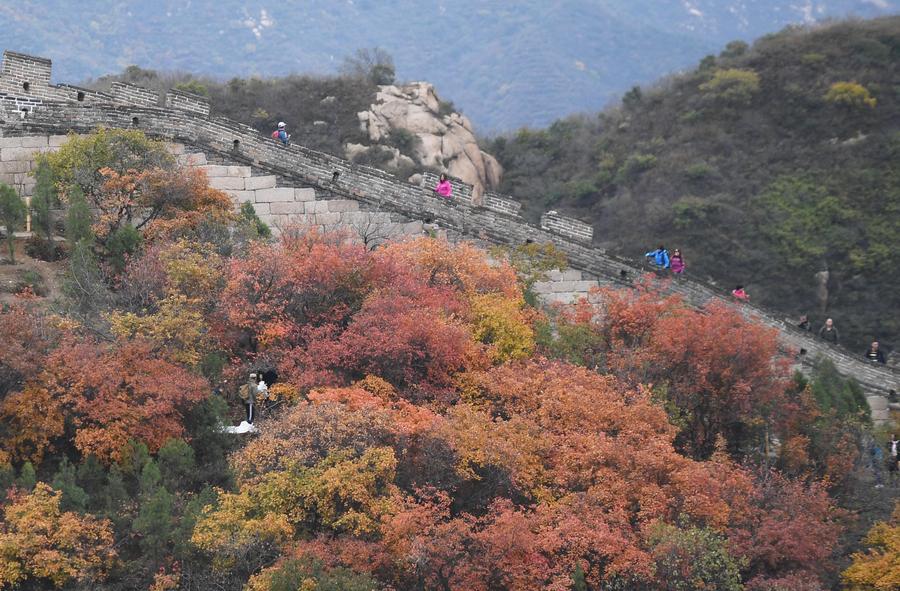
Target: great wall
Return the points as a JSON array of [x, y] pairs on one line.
[[297, 185]]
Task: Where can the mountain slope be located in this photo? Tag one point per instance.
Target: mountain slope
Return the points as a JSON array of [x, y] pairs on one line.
[[753, 166], [505, 64]]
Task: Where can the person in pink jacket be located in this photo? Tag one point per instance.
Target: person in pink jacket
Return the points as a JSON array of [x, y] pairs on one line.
[[676, 262], [444, 188]]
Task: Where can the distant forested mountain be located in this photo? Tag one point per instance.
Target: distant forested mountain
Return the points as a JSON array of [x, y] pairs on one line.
[[506, 64], [774, 166]]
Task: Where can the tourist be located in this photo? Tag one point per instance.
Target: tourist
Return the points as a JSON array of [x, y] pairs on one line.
[[804, 323], [739, 293], [444, 188], [281, 134], [248, 394], [659, 257], [677, 262], [892, 456], [877, 464], [828, 332], [874, 354]]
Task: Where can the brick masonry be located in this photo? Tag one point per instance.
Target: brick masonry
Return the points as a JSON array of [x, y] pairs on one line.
[[314, 175]]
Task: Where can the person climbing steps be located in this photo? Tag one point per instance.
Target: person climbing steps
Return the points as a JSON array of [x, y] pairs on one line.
[[281, 134]]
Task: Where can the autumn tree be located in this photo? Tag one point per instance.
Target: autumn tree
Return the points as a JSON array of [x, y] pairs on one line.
[[119, 392], [40, 542], [850, 95], [81, 160], [878, 568], [716, 372]]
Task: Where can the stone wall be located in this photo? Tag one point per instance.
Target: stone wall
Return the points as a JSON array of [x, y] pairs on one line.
[[333, 178]]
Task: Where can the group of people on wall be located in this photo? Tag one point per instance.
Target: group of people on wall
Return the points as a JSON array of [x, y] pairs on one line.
[[660, 260]]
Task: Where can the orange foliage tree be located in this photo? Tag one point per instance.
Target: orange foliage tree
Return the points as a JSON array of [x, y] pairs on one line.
[[112, 394], [716, 372]]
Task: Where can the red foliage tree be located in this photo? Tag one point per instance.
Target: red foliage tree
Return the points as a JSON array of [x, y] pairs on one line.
[[120, 392]]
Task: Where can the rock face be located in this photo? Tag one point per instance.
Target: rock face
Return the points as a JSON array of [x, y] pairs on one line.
[[444, 141]]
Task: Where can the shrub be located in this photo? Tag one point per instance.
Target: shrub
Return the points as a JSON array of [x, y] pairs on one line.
[[33, 281], [698, 171], [12, 214], [404, 140], [194, 86], [850, 95], [735, 49], [732, 86], [633, 166], [249, 214]]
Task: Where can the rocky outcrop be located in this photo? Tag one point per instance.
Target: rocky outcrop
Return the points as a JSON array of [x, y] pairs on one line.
[[445, 141]]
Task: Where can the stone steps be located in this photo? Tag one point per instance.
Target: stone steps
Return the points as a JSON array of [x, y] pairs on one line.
[[563, 286], [279, 206]]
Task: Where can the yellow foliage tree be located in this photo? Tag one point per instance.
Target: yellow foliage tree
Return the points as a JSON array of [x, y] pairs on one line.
[[879, 568], [40, 542], [193, 278], [345, 492], [851, 95], [502, 323], [732, 86]]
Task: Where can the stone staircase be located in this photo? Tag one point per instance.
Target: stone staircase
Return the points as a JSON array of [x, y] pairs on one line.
[[281, 205], [563, 286]]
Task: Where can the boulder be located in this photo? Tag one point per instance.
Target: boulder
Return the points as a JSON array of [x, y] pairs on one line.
[[444, 141]]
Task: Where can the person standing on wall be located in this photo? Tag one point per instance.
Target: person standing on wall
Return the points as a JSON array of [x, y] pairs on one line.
[[444, 188], [874, 354], [281, 134], [828, 332], [659, 257], [677, 262], [739, 293]]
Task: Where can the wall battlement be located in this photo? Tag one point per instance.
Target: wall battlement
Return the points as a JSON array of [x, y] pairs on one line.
[[494, 218]]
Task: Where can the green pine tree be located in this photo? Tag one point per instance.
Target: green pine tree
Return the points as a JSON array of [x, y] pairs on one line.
[[12, 214], [74, 498]]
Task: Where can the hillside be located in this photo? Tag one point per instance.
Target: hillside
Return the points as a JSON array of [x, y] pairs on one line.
[[750, 167], [504, 65]]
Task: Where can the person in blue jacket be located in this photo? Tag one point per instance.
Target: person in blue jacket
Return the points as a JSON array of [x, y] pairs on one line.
[[660, 257], [281, 134]]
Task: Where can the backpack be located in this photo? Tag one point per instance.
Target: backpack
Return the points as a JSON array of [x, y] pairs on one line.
[[275, 135], [244, 392]]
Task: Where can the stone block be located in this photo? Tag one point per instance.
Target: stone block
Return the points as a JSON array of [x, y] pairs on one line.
[[562, 286], [413, 228], [564, 275], [15, 166], [877, 403], [262, 208], [227, 183], [316, 207], [197, 159], [260, 182], [542, 287], [287, 207], [305, 194], [55, 141], [275, 194], [175, 149], [342, 205], [8, 154], [328, 219], [214, 170], [10, 142], [34, 141], [242, 171], [243, 196]]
